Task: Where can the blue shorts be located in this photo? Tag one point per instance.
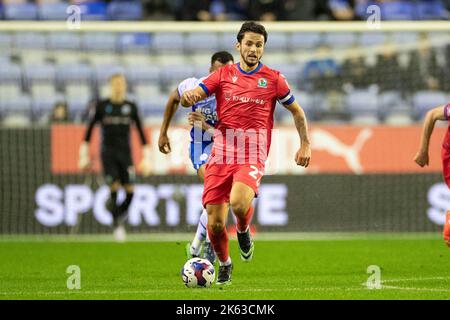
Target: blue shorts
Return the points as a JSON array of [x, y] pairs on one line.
[[199, 152]]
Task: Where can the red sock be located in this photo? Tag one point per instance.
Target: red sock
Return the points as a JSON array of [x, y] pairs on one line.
[[220, 243], [243, 223]]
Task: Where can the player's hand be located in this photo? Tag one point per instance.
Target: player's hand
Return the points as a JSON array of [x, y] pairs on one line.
[[197, 119], [145, 166], [303, 155], [189, 98], [422, 158], [164, 144], [84, 161]]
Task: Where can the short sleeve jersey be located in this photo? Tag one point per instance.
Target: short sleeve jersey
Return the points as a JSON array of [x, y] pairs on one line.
[[446, 143], [246, 102]]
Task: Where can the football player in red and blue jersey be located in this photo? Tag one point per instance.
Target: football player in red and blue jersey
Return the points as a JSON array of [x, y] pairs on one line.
[[422, 158], [246, 95]]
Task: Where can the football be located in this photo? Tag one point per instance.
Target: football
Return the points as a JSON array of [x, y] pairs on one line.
[[198, 273]]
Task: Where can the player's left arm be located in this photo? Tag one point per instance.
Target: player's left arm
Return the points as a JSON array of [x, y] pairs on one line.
[[144, 165], [303, 155]]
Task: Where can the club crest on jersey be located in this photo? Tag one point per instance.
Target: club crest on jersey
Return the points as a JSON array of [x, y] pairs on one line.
[[262, 83], [126, 109]]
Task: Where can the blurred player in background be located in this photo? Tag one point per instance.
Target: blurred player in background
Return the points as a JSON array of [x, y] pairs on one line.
[[246, 93], [204, 113], [422, 157], [115, 116]]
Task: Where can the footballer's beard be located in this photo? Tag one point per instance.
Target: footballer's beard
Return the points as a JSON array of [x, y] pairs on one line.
[[251, 63]]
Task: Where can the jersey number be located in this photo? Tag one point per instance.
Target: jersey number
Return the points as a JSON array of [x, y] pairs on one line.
[[254, 174]]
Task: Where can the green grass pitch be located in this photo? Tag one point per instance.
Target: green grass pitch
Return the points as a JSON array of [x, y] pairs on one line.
[[411, 268]]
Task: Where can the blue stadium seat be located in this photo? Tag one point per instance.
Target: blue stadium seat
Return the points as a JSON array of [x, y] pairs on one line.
[[201, 41], [279, 41], [6, 41], [177, 73], [10, 73], [134, 42], [64, 40], [404, 37], [125, 10], [363, 103], [40, 73], [397, 10], [425, 100], [99, 41], [20, 11], [95, 10], [339, 39], [30, 40], [43, 97], [103, 72], [143, 73], [77, 97], [74, 73], [305, 40], [227, 41], [393, 109], [372, 38], [53, 11], [15, 103], [431, 10], [168, 42], [292, 72], [153, 107]]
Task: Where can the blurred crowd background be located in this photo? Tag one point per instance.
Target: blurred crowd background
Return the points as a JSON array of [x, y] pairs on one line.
[[222, 10]]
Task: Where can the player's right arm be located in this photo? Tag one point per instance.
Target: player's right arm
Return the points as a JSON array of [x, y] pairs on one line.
[[191, 97], [83, 157], [439, 113], [171, 108]]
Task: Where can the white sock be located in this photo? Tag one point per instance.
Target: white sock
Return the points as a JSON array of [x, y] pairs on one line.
[[200, 234], [225, 263]]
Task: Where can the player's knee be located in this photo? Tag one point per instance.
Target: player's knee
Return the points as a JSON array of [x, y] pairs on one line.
[[239, 208], [217, 226], [115, 186], [129, 188]]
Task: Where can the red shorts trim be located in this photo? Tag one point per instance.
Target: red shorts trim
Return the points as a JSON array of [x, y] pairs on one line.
[[219, 179]]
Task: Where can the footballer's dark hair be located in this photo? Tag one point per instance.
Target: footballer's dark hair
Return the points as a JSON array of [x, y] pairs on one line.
[[222, 56], [251, 27]]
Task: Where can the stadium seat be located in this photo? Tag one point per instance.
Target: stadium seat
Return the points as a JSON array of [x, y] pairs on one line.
[[99, 41], [10, 73], [53, 11], [20, 11], [74, 73], [202, 41], [44, 97], [153, 107], [64, 40], [177, 73], [227, 41], [136, 59], [30, 40], [305, 40], [397, 10], [168, 42], [40, 73], [278, 42], [363, 106], [124, 10], [77, 97], [6, 43], [339, 39], [144, 92], [32, 56], [143, 73], [404, 37], [372, 39], [102, 73], [425, 100], [431, 10], [93, 10], [102, 58], [292, 72], [15, 104], [393, 108], [134, 42]]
